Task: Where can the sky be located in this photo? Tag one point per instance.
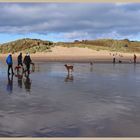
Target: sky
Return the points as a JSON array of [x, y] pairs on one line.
[[69, 21]]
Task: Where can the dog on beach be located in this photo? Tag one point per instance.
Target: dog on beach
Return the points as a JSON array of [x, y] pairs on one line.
[[120, 61], [69, 67], [91, 63], [17, 68]]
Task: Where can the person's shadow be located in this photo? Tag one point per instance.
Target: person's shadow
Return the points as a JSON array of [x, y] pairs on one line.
[[69, 78], [10, 84], [27, 83]]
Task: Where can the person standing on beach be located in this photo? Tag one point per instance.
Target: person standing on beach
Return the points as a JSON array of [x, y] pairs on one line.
[[19, 59], [27, 61], [9, 62], [114, 59], [135, 57]]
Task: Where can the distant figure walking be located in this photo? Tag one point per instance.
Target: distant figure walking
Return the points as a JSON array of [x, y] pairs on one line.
[[9, 62], [114, 60], [27, 61], [135, 58]]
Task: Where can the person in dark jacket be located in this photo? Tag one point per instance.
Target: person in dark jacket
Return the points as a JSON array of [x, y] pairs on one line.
[[27, 61], [19, 59], [135, 58], [9, 62], [114, 60]]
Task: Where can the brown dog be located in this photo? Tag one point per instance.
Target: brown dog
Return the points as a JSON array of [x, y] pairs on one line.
[[69, 67], [17, 68]]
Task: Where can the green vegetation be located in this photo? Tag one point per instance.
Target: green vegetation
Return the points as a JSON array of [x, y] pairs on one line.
[[26, 45], [106, 44], [37, 45]]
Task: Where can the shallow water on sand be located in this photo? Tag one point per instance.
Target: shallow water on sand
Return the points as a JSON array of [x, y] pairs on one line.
[[99, 100]]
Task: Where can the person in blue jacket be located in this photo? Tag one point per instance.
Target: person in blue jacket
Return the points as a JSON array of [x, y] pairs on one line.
[[9, 62]]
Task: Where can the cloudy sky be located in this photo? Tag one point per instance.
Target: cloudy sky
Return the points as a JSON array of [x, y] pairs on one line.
[[69, 21]]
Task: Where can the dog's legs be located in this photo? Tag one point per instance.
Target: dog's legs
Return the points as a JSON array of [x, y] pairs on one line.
[[72, 69]]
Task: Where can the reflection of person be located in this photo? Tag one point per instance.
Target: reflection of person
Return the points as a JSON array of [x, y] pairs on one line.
[[27, 83], [27, 61], [10, 84], [9, 62], [20, 80]]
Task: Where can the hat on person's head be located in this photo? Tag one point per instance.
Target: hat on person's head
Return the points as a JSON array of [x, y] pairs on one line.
[[27, 54]]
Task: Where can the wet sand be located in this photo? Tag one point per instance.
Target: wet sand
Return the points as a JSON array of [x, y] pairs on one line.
[[94, 101]]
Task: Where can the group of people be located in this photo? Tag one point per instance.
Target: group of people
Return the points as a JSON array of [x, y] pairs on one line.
[[27, 61], [134, 58]]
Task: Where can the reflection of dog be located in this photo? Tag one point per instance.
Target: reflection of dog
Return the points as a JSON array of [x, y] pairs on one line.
[[69, 78], [69, 67]]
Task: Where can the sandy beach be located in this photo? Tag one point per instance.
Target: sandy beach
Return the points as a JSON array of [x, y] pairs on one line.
[[76, 54]]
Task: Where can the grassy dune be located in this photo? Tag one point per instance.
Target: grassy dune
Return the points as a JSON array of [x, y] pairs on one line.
[[26, 45], [37, 45], [106, 44]]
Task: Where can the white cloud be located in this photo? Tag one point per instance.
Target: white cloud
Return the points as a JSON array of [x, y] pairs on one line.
[[73, 20]]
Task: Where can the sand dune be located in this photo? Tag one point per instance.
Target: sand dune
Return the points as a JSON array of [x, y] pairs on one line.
[[60, 53]]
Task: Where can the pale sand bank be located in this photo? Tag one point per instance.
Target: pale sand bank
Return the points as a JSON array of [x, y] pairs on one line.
[[76, 54]]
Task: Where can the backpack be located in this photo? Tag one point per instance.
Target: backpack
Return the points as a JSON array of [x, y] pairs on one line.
[[9, 60]]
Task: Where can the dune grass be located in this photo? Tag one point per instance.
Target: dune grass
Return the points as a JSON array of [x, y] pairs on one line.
[[124, 46]]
